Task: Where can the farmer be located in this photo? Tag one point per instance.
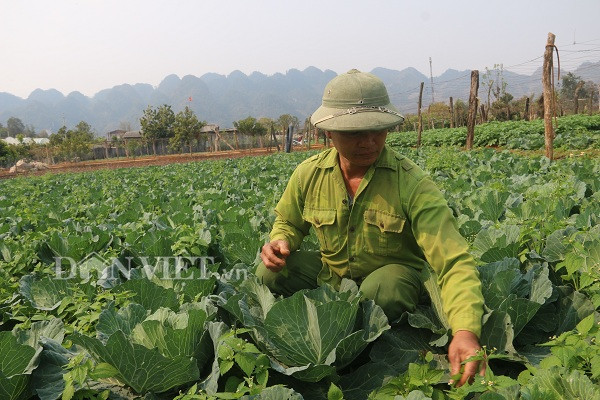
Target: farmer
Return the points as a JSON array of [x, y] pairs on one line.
[[379, 219]]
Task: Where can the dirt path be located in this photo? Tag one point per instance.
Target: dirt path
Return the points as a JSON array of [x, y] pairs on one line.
[[144, 161]]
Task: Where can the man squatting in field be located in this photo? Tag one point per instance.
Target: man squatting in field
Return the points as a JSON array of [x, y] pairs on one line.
[[378, 217]]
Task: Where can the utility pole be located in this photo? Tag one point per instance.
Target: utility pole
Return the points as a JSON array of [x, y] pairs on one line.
[[451, 113], [472, 108], [431, 77]]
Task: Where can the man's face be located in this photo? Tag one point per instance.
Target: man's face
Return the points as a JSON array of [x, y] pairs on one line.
[[360, 148]]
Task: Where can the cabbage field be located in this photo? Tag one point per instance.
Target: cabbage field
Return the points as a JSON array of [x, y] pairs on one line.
[[137, 283]]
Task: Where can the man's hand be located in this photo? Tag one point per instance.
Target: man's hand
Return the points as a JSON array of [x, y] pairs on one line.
[[273, 254], [464, 345]]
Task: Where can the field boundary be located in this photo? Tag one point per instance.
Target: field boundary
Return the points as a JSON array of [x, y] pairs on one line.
[[83, 166]]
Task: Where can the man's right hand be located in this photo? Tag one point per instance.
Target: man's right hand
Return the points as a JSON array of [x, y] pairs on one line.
[[274, 253]]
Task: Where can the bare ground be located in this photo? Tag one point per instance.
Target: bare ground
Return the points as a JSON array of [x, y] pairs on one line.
[[84, 166]]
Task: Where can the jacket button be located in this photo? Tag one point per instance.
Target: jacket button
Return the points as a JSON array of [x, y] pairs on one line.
[[381, 225], [351, 259], [344, 201]]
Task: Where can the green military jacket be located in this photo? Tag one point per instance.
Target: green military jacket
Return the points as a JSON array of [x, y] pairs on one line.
[[398, 216]]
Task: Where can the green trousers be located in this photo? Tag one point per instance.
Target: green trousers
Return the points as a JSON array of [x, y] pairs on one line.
[[395, 288]]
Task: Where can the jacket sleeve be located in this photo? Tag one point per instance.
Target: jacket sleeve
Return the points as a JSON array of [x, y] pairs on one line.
[[289, 224], [436, 231]]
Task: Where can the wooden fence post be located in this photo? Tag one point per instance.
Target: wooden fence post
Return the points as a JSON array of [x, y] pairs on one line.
[[419, 116], [526, 113], [577, 90], [472, 108], [483, 113], [548, 96], [451, 113]]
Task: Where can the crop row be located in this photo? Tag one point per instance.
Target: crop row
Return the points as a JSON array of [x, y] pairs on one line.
[[575, 132]]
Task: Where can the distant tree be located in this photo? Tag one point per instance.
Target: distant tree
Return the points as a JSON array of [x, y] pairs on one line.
[[438, 113], [29, 131], [267, 122], [185, 128], [519, 106], [157, 124], [250, 126], [43, 133], [84, 130], [73, 144], [590, 90], [15, 126], [9, 154], [285, 120], [461, 110], [132, 146], [59, 137], [4, 151], [487, 82], [3, 131], [572, 89], [494, 81], [570, 81]]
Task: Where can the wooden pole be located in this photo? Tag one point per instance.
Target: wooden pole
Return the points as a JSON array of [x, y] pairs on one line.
[[577, 90], [217, 137], [526, 113], [306, 136], [275, 137], [472, 108], [419, 116], [451, 112], [548, 96]]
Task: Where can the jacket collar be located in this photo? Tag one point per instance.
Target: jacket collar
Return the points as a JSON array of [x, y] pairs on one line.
[[386, 159]]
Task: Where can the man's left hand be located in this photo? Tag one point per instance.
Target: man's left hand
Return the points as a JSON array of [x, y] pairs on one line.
[[464, 345]]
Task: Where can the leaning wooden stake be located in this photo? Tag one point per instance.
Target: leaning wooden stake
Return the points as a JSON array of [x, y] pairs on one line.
[[548, 96], [451, 113], [526, 113], [472, 108], [419, 116]]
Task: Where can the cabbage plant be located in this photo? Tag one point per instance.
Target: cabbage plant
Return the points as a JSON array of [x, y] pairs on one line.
[[312, 333], [153, 352]]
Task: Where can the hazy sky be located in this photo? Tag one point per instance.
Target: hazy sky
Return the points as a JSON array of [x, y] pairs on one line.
[[90, 45]]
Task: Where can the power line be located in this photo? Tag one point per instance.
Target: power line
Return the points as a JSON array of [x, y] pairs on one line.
[[526, 62], [579, 43], [581, 51]]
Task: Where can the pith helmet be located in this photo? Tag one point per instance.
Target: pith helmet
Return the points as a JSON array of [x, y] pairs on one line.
[[355, 101]]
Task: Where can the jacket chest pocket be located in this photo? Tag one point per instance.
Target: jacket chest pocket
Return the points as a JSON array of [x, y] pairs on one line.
[[382, 232], [323, 222]]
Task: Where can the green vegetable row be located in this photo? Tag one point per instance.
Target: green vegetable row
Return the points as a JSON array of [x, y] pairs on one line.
[[574, 132]]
